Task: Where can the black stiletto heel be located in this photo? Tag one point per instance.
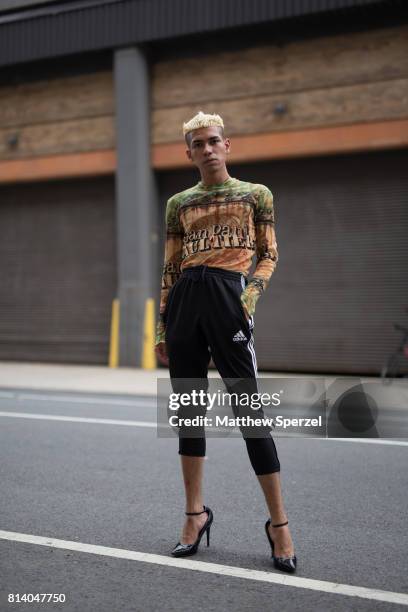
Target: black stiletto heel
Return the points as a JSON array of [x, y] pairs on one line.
[[184, 550], [286, 564]]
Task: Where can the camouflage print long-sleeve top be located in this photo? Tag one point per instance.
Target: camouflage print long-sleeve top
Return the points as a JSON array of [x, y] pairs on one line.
[[221, 226]]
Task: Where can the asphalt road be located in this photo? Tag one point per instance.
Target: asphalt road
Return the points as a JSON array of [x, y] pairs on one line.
[[118, 486]]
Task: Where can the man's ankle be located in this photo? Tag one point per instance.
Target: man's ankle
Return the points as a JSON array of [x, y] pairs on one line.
[[278, 521], [196, 508]]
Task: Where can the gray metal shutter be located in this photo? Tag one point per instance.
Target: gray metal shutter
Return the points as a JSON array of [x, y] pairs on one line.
[[342, 276], [58, 270]]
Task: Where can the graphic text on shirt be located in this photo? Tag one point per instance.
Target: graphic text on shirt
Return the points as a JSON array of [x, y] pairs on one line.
[[218, 236]]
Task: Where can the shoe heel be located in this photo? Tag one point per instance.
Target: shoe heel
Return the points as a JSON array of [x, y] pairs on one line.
[[286, 564], [184, 550]]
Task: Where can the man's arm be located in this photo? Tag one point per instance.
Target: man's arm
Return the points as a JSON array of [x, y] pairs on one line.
[[266, 250], [172, 260]]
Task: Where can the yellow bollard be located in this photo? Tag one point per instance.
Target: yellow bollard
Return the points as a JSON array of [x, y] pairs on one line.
[[148, 354], [114, 335]]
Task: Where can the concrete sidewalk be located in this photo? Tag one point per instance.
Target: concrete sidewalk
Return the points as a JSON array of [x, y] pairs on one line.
[[80, 378], [87, 378]]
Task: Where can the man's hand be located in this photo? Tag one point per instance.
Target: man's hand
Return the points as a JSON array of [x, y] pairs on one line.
[[246, 313], [161, 352]]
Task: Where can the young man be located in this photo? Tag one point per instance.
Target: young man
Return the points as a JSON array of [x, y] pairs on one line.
[[207, 307]]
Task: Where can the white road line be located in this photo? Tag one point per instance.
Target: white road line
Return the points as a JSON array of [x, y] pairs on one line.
[[52, 417], [368, 441], [213, 568], [80, 399]]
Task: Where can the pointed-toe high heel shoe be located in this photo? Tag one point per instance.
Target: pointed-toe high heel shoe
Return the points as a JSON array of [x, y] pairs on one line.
[[286, 564], [184, 550]]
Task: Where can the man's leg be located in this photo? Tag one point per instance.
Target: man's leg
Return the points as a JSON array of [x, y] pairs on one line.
[[189, 357], [192, 468], [271, 487], [235, 359]]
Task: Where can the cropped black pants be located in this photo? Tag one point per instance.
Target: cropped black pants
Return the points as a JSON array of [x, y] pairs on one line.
[[204, 317]]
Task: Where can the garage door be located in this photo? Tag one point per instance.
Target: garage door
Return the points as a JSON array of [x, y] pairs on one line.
[[342, 276], [58, 270]]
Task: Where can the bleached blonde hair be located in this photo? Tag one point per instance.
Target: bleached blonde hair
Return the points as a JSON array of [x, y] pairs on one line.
[[202, 120]]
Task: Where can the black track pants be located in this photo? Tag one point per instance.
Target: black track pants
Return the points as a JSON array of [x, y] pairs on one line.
[[204, 317]]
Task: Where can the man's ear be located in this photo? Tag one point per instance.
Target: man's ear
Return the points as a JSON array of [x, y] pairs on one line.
[[188, 153], [227, 143]]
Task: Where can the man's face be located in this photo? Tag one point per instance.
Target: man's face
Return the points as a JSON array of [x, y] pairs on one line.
[[208, 149]]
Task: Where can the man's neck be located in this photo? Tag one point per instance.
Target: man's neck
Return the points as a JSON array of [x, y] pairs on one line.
[[215, 178]]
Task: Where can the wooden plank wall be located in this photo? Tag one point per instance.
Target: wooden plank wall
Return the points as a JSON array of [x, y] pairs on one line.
[[333, 81], [58, 116], [353, 78]]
